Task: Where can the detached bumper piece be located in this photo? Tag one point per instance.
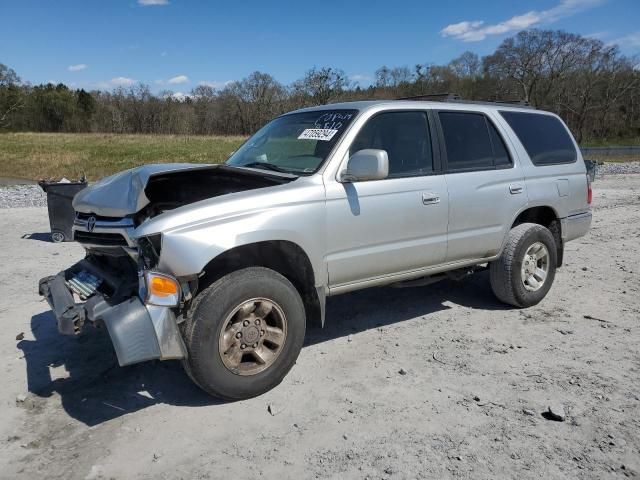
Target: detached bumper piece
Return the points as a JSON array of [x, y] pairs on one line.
[[70, 316], [138, 333]]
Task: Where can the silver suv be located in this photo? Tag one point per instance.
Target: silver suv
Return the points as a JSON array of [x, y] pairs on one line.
[[222, 266]]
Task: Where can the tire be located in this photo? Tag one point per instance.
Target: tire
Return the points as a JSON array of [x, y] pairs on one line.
[[218, 313], [506, 272]]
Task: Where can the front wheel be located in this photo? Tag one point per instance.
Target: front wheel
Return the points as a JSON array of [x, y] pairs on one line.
[[244, 333], [524, 273]]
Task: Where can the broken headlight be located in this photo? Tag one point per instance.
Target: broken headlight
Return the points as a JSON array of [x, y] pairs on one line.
[[149, 250]]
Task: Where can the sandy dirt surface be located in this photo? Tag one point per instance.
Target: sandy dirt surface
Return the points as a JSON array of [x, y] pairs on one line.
[[431, 382]]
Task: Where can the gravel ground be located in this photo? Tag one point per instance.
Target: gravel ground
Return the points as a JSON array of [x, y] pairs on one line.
[[428, 382], [17, 196], [618, 168]]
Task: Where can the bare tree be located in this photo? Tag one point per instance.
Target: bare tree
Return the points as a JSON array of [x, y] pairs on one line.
[[11, 98], [322, 85], [592, 86]]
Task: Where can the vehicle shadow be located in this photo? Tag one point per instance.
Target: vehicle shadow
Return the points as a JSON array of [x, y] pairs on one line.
[[93, 389], [39, 236], [378, 307]]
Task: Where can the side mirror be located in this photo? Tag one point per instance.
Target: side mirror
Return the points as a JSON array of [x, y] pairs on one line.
[[368, 164]]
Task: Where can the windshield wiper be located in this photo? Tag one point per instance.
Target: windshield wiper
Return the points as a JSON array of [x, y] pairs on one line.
[[266, 166]]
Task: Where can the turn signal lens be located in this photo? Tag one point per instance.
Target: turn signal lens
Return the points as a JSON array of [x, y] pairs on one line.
[[162, 289], [162, 286]]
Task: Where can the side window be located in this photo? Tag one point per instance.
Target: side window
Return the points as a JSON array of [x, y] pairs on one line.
[[544, 137], [405, 137], [500, 153], [472, 142]]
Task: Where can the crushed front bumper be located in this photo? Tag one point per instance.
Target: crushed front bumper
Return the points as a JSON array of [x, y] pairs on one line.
[[138, 332]]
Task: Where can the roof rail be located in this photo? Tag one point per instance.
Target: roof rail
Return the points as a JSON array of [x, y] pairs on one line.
[[456, 98], [441, 97]]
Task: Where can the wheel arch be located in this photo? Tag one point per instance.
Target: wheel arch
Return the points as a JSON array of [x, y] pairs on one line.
[[546, 216], [282, 256]]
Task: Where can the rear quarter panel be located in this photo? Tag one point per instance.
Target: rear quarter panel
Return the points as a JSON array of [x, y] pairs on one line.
[[562, 187]]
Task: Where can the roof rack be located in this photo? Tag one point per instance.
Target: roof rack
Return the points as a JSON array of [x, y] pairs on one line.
[[456, 98], [441, 97]]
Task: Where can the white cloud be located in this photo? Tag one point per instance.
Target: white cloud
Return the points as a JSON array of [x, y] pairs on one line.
[[357, 78], [151, 3], [116, 82], [477, 30], [602, 35], [77, 68], [179, 79], [217, 84], [628, 41], [180, 96]]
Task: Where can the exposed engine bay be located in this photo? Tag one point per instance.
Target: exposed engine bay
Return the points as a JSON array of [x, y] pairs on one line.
[[167, 191], [149, 190], [108, 211]]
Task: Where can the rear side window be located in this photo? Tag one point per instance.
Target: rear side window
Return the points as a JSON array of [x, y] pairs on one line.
[[544, 137], [500, 154], [472, 142], [406, 139]]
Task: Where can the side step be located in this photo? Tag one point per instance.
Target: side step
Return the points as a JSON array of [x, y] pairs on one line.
[[456, 275]]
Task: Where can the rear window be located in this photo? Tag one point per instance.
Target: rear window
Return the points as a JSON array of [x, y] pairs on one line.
[[544, 137]]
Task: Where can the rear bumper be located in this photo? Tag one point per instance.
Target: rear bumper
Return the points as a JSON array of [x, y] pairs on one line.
[[138, 332], [575, 226]]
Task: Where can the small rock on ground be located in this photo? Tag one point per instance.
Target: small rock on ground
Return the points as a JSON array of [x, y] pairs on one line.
[[556, 412]]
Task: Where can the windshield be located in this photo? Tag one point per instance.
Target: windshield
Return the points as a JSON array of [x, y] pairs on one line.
[[297, 143]]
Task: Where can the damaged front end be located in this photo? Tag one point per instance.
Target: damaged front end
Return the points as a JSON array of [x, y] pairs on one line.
[[119, 283], [111, 291]]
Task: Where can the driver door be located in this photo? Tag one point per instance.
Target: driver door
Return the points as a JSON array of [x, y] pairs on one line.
[[386, 227]]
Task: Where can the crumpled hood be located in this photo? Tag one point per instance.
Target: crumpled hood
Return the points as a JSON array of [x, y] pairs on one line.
[[123, 194]]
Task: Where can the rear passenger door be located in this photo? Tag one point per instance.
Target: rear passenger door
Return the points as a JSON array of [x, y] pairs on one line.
[[485, 189]]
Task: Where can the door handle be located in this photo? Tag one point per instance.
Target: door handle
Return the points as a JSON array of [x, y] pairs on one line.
[[515, 189], [430, 199]]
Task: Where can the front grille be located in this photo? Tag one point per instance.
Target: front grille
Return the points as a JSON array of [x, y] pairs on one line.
[[108, 234], [86, 216], [100, 239]]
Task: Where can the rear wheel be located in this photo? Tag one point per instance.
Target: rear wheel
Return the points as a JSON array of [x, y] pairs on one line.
[[525, 271], [244, 333]]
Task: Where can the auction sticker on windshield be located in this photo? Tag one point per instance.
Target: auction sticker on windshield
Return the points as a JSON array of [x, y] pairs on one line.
[[324, 134]]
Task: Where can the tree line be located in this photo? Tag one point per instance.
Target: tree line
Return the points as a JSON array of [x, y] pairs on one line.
[[591, 85]]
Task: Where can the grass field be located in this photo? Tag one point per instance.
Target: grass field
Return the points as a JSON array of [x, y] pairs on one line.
[[44, 155]]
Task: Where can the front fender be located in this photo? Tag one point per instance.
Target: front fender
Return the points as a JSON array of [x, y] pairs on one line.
[[187, 250]]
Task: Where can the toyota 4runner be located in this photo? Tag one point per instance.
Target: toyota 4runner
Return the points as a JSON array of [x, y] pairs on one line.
[[222, 266]]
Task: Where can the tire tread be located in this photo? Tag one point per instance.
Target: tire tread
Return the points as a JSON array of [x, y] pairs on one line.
[[501, 271]]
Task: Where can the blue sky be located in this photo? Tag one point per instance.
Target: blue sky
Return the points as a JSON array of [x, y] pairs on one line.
[[177, 44]]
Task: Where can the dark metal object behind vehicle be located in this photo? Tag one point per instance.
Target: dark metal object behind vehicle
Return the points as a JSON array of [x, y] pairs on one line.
[[61, 213]]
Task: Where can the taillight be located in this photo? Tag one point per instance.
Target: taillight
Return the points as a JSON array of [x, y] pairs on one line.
[[589, 190]]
